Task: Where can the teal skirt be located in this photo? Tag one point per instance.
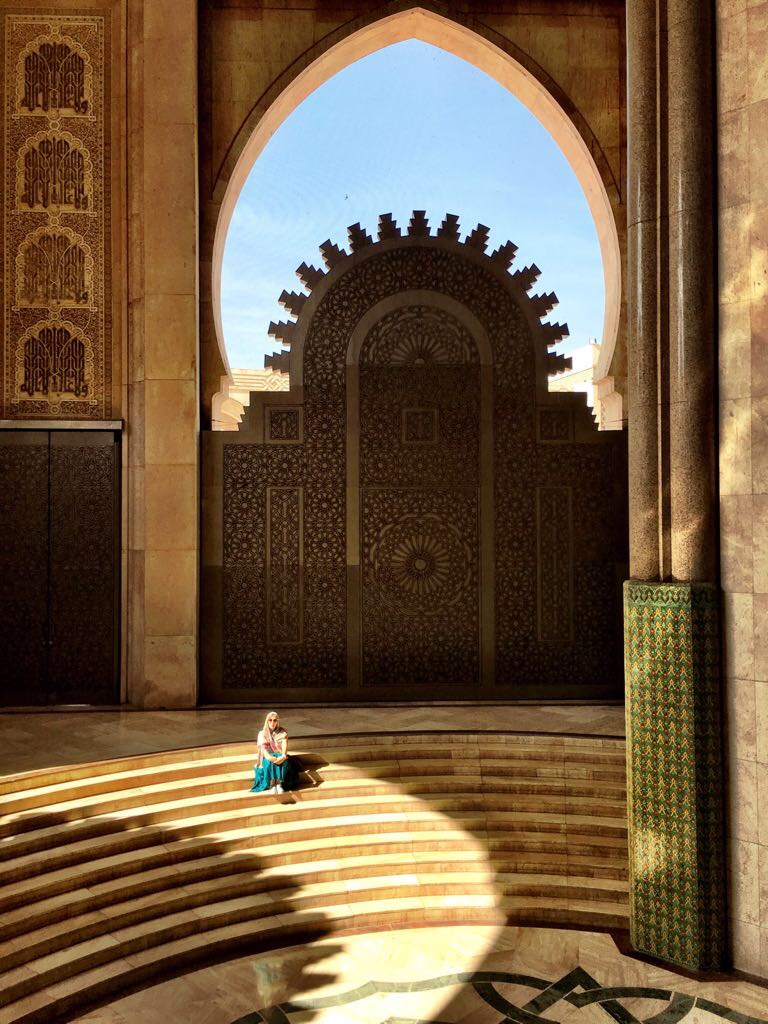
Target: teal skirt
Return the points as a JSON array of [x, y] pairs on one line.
[[269, 774]]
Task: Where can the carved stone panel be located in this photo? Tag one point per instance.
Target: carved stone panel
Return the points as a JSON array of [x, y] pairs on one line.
[[54, 76], [54, 361], [54, 173], [54, 268], [55, 214]]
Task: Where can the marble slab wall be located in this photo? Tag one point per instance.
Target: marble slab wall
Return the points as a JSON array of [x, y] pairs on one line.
[[742, 43]]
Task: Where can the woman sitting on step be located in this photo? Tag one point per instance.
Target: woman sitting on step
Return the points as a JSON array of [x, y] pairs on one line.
[[275, 769]]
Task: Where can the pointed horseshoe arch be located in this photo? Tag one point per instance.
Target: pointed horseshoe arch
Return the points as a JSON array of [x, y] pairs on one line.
[[485, 50]]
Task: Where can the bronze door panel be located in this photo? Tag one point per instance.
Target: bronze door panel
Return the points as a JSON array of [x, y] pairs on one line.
[[59, 530], [23, 568], [83, 576]]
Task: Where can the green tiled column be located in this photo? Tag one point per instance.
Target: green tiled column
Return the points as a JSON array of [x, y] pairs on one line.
[[674, 762]]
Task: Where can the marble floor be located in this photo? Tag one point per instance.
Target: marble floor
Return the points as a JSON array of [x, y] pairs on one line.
[[459, 975], [37, 740]]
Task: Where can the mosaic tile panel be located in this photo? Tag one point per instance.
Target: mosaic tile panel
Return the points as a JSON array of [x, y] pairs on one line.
[[672, 663]]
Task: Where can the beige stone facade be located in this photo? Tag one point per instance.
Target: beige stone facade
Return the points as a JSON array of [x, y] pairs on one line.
[[177, 98]]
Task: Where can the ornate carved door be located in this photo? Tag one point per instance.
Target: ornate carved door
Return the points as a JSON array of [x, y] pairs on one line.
[[417, 517], [59, 527]]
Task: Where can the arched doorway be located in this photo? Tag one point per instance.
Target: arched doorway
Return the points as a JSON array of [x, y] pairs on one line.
[[495, 55], [275, 622]]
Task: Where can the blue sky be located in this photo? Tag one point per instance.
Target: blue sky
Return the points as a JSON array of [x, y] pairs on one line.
[[409, 127]]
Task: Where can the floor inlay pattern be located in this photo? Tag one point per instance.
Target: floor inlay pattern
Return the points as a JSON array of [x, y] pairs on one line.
[[577, 989], [514, 975]]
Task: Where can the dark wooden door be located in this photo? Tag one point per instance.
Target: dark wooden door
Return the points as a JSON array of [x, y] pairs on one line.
[[59, 567]]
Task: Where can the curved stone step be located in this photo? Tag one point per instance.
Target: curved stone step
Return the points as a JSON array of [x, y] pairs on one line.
[[152, 863]]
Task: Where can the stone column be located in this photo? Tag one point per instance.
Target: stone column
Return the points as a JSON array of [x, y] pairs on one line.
[[672, 651], [642, 234], [162, 428], [691, 294]]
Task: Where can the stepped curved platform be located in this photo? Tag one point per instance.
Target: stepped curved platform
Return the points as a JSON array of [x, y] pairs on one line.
[[118, 873]]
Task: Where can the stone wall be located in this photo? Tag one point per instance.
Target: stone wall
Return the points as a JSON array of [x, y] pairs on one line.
[[742, 33], [162, 430]]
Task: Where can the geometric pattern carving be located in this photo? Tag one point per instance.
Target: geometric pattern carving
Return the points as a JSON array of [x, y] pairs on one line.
[[58, 565], [420, 592], [250, 661], [54, 362], [555, 425], [418, 336], [410, 551], [55, 77], [284, 507], [555, 561], [24, 525], [283, 424], [672, 661], [54, 268], [55, 215], [420, 426]]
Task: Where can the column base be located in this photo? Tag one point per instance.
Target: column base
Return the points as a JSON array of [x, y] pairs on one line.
[[674, 773]]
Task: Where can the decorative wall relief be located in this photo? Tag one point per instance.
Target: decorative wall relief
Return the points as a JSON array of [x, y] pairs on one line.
[[555, 425], [54, 268], [282, 424], [54, 172], [56, 217], [419, 336], [54, 76], [421, 426], [52, 359]]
